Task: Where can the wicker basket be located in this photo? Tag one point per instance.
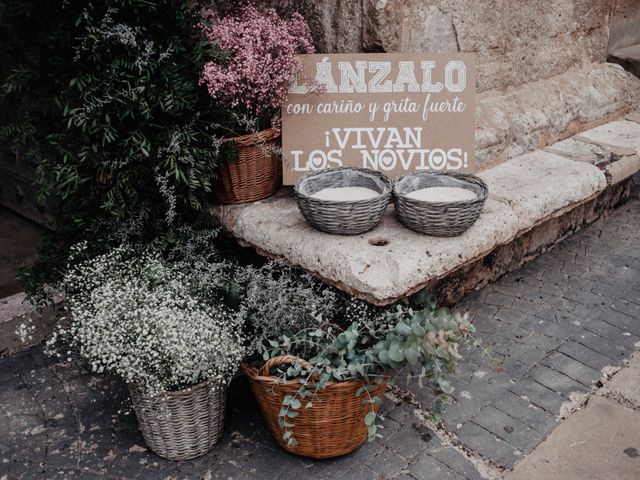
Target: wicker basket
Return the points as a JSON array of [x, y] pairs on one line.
[[256, 173], [184, 424], [343, 217], [440, 219], [333, 426]]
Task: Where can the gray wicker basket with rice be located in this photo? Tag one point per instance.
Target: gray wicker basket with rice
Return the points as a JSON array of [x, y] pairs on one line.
[[322, 205], [439, 204]]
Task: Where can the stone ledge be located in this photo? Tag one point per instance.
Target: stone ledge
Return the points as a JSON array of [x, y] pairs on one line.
[[611, 147], [541, 196], [540, 185], [540, 113], [359, 264]]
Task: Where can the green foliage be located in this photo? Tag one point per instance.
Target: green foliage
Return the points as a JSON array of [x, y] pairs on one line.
[[104, 97], [373, 345]]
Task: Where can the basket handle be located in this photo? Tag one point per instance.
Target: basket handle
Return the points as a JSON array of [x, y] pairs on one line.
[[265, 370]]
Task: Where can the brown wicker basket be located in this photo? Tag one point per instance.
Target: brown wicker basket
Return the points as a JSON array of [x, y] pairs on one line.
[[184, 424], [333, 426], [256, 173]]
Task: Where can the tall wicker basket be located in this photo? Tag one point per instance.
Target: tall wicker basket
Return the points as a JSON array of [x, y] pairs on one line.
[[184, 424], [256, 173], [333, 426]]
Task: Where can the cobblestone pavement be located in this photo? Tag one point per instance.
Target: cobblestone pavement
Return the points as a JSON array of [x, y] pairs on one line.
[[550, 328]]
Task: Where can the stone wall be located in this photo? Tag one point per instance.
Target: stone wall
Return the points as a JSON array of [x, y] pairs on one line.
[[625, 24], [516, 41]]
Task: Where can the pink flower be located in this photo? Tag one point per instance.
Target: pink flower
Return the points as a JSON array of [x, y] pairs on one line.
[[263, 49]]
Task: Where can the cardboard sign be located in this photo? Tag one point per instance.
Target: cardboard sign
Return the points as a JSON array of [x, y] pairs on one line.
[[395, 113]]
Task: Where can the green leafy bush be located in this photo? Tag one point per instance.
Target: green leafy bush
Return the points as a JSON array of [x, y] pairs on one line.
[[104, 96]]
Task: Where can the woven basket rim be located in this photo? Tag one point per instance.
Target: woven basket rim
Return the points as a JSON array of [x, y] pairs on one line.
[[252, 372], [185, 391], [254, 138], [480, 198], [388, 187]]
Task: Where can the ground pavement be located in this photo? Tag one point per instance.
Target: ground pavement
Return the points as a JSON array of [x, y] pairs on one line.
[[550, 333]]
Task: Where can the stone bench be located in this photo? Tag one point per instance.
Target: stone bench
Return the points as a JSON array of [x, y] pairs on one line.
[[536, 199]]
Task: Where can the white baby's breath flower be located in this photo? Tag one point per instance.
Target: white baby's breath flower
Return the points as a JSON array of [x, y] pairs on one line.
[[138, 318]]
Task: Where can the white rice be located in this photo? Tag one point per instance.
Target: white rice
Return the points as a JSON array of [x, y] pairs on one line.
[[345, 194], [442, 194]]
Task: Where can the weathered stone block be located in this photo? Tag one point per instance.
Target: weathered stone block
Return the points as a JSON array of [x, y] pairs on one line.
[[380, 265], [540, 184], [620, 134], [544, 112]]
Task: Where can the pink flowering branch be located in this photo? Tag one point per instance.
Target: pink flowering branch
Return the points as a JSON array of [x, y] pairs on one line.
[[262, 58]]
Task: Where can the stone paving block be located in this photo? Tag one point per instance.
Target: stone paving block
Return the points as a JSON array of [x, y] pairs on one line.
[[556, 381], [585, 355], [628, 308], [509, 429], [539, 395], [429, 468], [584, 297], [572, 368], [412, 440], [613, 333], [456, 462], [471, 397], [486, 444], [387, 463], [542, 342], [361, 472], [632, 294], [615, 351], [531, 415], [551, 327]]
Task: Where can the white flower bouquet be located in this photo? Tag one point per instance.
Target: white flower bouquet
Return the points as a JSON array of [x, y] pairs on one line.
[[146, 321]]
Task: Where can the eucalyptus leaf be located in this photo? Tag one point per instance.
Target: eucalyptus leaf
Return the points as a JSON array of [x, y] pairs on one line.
[[369, 418]]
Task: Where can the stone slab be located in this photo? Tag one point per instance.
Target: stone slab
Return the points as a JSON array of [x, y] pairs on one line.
[[618, 162], [581, 152], [622, 169], [381, 265], [540, 185], [618, 134], [391, 261], [599, 442]]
